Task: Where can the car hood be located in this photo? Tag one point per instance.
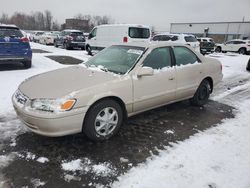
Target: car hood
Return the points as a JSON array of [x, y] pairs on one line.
[[62, 82]]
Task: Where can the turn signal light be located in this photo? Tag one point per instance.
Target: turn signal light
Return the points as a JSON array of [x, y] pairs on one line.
[[68, 104]]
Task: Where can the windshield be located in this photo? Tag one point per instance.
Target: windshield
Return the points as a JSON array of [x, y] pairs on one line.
[[190, 39], [5, 32], [116, 59]]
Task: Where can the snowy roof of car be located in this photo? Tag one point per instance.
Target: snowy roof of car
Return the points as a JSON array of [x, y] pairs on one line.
[[8, 25], [174, 34], [127, 25], [152, 44], [72, 30]]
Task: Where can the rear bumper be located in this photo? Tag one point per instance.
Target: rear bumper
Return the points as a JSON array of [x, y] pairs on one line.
[[25, 56], [76, 44]]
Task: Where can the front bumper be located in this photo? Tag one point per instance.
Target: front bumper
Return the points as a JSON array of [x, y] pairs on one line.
[[50, 124]]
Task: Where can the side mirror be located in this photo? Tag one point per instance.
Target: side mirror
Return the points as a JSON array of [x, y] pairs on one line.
[[145, 71]]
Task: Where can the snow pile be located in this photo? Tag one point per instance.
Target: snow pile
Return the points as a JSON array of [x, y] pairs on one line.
[[232, 66], [37, 183], [218, 157], [85, 166], [42, 160]]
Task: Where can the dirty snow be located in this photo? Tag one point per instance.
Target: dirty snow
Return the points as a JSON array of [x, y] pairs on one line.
[[42, 160], [101, 169]]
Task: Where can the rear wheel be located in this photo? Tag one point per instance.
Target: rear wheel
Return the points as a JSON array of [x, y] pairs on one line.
[[27, 64], [218, 49], [202, 94], [103, 120], [242, 51]]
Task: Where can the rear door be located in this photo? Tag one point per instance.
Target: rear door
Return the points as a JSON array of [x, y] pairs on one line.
[[10, 41], [188, 72]]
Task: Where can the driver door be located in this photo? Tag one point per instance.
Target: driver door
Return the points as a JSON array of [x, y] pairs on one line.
[[159, 88]]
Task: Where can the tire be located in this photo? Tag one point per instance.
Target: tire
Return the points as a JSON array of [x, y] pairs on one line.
[[202, 94], [89, 50], [27, 64], [218, 49], [242, 51], [92, 123], [248, 65], [55, 45]]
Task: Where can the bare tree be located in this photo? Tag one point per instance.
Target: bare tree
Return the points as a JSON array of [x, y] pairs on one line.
[[4, 18], [48, 19]]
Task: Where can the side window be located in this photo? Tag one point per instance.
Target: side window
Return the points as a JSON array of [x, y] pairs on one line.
[[158, 58], [156, 38], [93, 33], [165, 38], [184, 56]]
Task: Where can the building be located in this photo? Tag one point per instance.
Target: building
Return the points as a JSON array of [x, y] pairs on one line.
[[219, 31], [78, 24]]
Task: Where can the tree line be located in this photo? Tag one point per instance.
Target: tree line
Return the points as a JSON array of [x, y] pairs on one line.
[[45, 21]]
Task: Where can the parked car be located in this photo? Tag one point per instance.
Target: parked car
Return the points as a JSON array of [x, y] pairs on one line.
[[207, 45], [48, 38], [103, 36], [14, 47], [248, 65], [237, 45], [37, 35], [179, 38], [120, 81], [70, 39]]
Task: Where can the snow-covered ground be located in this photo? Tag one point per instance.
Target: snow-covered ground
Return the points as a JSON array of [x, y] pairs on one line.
[[218, 157]]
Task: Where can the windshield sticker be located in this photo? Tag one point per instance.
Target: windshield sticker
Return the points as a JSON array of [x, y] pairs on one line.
[[133, 51]]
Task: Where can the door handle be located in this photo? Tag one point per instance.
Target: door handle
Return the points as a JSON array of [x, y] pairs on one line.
[[171, 78]]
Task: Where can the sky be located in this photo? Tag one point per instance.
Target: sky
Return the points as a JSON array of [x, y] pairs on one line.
[[157, 13]]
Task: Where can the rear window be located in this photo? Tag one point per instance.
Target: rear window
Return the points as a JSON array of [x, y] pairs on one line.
[[140, 33], [190, 39], [10, 32]]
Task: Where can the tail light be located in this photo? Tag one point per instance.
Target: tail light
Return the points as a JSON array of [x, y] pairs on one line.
[[24, 39], [125, 39]]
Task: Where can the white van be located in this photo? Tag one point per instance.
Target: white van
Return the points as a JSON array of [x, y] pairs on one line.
[[103, 36]]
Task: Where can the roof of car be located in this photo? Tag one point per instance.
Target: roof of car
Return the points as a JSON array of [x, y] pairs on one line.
[[72, 30], [8, 25], [152, 44], [125, 25], [174, 34]]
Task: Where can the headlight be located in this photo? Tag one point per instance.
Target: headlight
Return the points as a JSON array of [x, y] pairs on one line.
[[52, 105]]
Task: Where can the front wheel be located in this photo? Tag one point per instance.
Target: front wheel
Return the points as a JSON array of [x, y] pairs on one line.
[[242, 51], [27, 64], [218, 49], [103, 120], [202, 94], [89, 50]]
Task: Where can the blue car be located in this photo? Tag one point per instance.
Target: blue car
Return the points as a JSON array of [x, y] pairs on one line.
[[14, 47]]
